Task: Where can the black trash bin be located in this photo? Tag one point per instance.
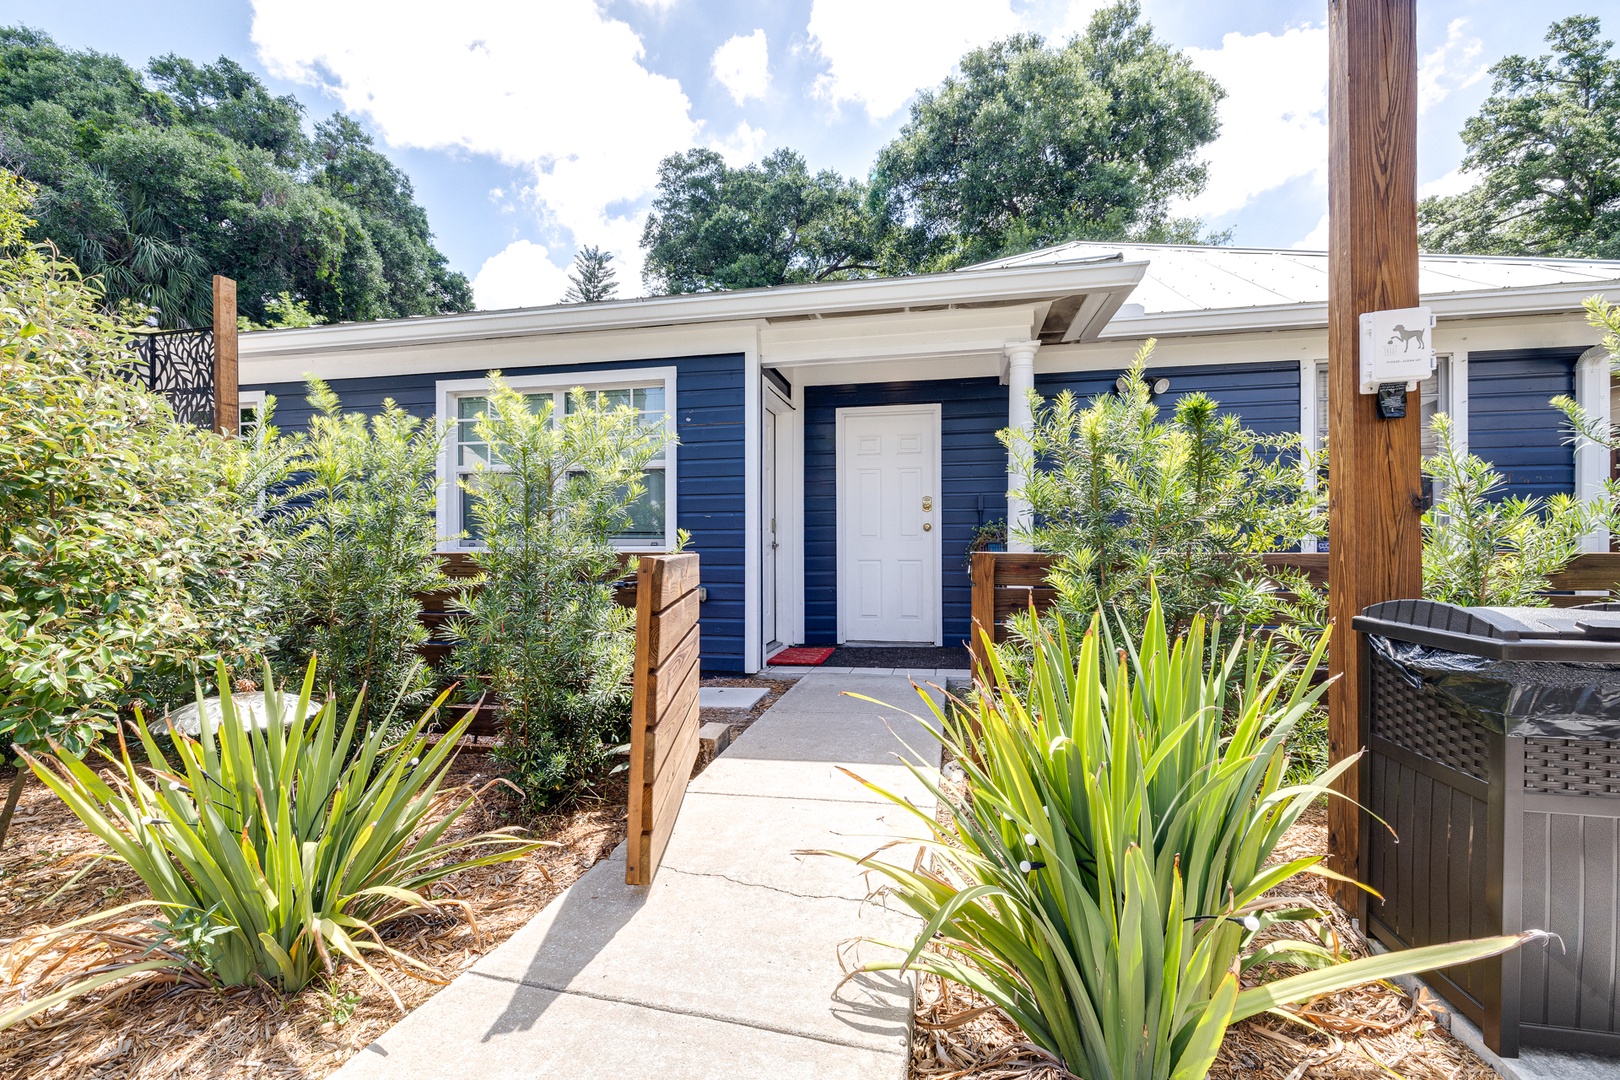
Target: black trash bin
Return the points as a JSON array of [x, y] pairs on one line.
[[1493, 741]]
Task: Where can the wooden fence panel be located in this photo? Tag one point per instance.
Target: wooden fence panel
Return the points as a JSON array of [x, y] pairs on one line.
[[1005, 582], [664, 716]]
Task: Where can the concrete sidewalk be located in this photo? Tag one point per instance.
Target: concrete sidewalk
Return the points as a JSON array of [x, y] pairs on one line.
[[728, 965]]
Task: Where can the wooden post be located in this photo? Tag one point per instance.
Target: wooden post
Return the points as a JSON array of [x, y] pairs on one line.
[[1374, 483], [227, 398]]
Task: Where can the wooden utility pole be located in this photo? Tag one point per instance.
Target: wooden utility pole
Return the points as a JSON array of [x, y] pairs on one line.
[[1374, 480], [227, 396]]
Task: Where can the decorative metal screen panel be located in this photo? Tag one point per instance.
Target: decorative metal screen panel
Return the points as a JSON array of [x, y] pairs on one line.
[[179, 364]]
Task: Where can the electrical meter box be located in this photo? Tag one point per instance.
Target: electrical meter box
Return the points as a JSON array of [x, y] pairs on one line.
[[1396, 347]]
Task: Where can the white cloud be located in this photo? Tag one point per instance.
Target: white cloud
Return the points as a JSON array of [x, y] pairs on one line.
[[1076, 17], [1273, 119], [742, 65], [523, 275], [880, 52], [741, 146], [1450, 67], [1316, 239], [1454, 182], [557, 88]]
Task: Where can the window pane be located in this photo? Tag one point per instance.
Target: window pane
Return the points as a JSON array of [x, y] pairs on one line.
[[469, 523], [647, 513]]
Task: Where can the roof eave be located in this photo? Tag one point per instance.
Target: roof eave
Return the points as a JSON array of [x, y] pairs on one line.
[[1009, 285], [1484, 303]]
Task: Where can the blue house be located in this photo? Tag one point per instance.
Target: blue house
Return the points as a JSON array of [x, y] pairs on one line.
[[837, 442]]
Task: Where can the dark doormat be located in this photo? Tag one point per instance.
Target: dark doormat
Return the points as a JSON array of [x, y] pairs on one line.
[[899, 656]]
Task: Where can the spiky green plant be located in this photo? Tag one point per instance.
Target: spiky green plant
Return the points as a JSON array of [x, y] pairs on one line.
[[278, 853], [1109, 868]]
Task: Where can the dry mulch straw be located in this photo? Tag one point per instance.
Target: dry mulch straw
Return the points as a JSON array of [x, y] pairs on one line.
[[1372, 1031], [151, 1025]]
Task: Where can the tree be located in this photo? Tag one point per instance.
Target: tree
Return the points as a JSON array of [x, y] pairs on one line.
[[592, 279], [717, 227], [1034, 145], [1546, 146], [155, 184]]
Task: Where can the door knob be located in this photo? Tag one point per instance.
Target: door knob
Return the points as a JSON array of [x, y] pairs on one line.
[[928, 526], [928, 502]]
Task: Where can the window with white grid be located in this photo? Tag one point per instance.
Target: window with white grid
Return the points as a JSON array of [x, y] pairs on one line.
[[651, 526]]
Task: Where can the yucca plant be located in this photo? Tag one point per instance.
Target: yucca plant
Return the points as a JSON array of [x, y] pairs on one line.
[[272, 854], [1108, 871]]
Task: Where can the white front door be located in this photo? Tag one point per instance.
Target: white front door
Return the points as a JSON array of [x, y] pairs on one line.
[[768, 541], [888, 524]]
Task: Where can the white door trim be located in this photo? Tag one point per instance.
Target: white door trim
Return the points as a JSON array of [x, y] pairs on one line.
[[934, 411], [789, 500]]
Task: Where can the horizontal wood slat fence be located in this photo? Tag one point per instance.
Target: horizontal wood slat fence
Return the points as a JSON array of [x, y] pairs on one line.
[[664, 716], [1005, 582], [436, 612]]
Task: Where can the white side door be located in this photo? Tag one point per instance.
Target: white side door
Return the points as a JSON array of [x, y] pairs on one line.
[[888, 524]]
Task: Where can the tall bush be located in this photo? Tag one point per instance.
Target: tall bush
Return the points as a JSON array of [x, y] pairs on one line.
[[359, 543], [123, 547], [1123, 498], [1480, 547], [1109, 875], [542, 635]]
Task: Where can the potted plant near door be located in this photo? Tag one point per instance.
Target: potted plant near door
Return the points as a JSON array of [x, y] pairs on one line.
[[990, 536]]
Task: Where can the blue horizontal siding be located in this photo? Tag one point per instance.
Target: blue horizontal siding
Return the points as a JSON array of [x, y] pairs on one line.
[[710, 494], [973, 484], [1264, 396], [973, 487], [1512, 426]]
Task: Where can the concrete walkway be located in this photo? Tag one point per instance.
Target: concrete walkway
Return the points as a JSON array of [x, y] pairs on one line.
[[728, 965]]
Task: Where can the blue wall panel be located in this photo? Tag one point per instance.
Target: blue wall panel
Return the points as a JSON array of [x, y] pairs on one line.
[[973, 487], [1510, 423], [710, 498], [1264, 396]]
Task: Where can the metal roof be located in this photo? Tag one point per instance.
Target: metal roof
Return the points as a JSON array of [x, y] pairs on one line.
[[1185, 278]]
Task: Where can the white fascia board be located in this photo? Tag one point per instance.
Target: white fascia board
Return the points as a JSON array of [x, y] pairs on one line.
[[985, 286], [503, 354], [1483, 304], [958, 332], [1250, 348], [915, 369]]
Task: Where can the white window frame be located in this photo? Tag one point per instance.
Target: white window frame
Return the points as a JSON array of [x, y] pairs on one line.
[[448, 392], [249, 399]]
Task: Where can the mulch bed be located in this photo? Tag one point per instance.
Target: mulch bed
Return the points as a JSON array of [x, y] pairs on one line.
[[139, 1028], [1373, 1031]]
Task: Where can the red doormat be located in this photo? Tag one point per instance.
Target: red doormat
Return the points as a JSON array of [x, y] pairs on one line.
[[803, 655]]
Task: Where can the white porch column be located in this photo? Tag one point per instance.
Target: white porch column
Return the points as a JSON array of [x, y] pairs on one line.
[[1020, 381], [1592, 382]]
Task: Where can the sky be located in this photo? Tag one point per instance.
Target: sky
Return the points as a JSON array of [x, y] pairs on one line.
[[533, 127]]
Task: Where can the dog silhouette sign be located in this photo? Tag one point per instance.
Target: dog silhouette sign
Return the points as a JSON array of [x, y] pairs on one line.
[[1396, 347]]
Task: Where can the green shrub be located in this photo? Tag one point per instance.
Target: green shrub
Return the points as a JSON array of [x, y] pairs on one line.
[[125, 556], [1125, 500], [542, 636], [1482, 549], [1107, 876], [274, 855], [359, 543]]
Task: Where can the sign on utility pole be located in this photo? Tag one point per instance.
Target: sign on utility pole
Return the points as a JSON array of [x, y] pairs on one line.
[[1375, 510]]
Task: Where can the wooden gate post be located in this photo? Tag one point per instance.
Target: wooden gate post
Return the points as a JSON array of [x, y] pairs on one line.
[[227, 395], [1374, 483]]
